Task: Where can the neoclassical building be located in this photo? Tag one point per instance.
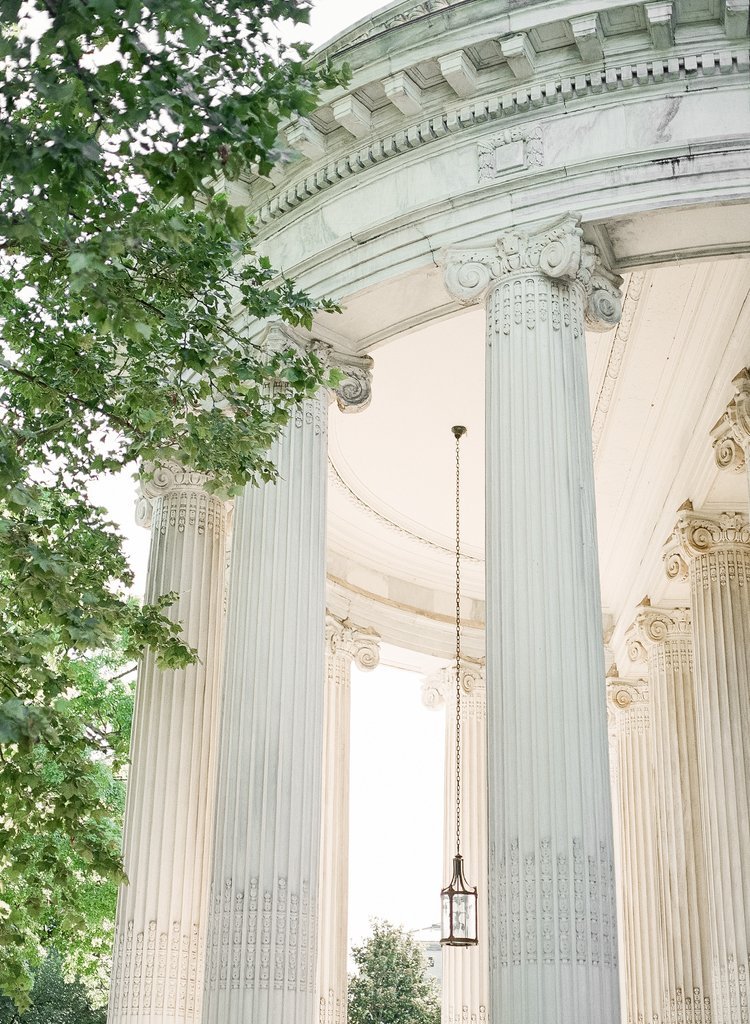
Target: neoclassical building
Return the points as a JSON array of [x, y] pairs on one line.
[[536, 217]]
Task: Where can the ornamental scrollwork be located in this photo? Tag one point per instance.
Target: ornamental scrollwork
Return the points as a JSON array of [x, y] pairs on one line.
[[654, 626], [701, 533], [358, 644], [440, 686], [557, 251], [731, 435], [354, 392], [167, 478]]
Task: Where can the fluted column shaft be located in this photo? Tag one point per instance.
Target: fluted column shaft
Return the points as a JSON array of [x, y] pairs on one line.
[[641, 936], [157, 972], [465, 996], [665, 636], [714, 550], [261, 961], [552, 907], [345, 644]]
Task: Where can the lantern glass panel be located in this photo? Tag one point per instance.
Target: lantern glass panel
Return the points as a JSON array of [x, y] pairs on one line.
[[446, 928]]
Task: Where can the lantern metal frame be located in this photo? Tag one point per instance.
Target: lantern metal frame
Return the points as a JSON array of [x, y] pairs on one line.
[[459, 901]]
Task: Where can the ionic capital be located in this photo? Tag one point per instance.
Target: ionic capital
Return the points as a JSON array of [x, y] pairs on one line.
[[731, 434], [700, 533], [354, 390], [355, 643], [556, 251], [625, 698], [164, 479], [653, 626], [440, 686]]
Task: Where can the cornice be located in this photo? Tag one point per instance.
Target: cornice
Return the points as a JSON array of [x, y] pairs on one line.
[[522, 150]]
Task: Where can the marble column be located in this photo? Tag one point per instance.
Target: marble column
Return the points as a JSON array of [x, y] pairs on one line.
[[157, 972], [465, 995], [635, 819], [345, 644], [713, 551], [261, 964], [663, 637], [552, 908]]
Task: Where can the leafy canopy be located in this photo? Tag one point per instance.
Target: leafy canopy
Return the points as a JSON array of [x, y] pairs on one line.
[[390, 985], [55, 1000], [129, 285]]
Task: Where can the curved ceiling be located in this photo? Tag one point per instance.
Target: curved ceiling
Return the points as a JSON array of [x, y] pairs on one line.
[[398, 456]]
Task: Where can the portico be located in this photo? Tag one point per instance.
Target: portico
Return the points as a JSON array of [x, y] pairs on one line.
[[545, 207]]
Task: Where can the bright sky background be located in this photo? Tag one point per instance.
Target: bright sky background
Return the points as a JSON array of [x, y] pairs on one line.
[[396, 743]]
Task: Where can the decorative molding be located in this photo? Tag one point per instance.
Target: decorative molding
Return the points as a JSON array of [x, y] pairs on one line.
[[352, 115], [616, 357], [305, 137], [376, 27], [262, 941], [404, 93], [351, 495], [157, 971], [512, 149], [556, 251], [520, 55], [702, 533], [498, 106], [587, 32], [736, 13], [355, 643], [585, 928], [459, 72], [660, 20]]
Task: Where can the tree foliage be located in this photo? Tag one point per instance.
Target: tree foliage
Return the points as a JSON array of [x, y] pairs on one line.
[[390, 985], [55, 1000], [129, 284]]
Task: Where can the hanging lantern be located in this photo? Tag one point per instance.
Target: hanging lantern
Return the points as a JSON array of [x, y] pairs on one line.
[[459, 899]]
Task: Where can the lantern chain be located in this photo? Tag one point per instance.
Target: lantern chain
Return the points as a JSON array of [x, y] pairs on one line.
[[458, 433]]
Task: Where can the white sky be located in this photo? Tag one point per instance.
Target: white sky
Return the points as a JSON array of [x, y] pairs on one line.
[[397, 744]]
